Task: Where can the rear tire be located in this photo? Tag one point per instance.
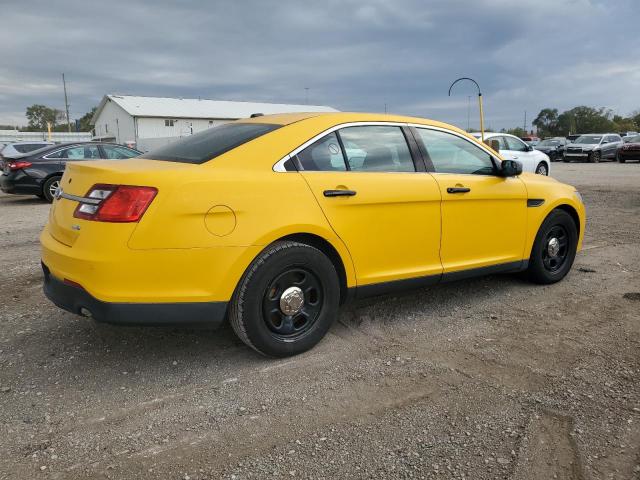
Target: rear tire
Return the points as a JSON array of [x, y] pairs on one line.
[[619, 158], [49, 188], [554, 249], [259, 311]]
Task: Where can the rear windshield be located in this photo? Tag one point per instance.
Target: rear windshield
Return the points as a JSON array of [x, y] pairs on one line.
[[211, 143]]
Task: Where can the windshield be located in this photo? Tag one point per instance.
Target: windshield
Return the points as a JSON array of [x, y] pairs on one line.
[[589, 139], [549, 143], [204, 146], [634, 139]]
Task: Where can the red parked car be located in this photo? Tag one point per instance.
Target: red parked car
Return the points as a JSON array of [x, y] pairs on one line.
[[630, 150]]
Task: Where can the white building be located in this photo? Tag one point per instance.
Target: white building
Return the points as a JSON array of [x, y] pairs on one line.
[[149, 122]]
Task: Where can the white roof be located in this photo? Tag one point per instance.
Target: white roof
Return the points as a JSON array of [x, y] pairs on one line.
[[196, 108]]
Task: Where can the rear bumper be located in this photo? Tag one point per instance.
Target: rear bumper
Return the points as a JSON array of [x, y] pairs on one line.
[[79, 301], [19, 184], [629, 154]]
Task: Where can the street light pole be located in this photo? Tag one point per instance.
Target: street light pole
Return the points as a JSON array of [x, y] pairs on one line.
[[479, 102]]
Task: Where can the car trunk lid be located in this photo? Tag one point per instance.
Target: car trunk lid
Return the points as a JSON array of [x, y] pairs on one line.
[[80, 177]]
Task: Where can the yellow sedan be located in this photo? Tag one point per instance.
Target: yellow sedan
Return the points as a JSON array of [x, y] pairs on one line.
[[275, 221]]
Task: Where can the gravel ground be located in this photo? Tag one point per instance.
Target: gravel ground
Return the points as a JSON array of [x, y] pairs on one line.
[[491, 378]]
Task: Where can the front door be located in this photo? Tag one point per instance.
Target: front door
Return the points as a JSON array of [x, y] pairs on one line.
[[484, 216], [386, 212]]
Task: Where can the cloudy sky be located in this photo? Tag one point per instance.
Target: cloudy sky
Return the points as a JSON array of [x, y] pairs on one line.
[[352, 55]]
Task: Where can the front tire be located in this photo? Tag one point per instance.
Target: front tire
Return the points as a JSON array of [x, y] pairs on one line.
[[595, 157], [554, 249], [286, 301], [542, 169], [49, 188]]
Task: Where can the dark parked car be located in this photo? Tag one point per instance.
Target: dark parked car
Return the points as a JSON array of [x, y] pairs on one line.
[[573, 137], [593, 147], [39, 172], [553, 147], [630, 150]]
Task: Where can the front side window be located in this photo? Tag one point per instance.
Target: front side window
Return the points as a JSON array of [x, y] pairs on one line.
[[376, 149], [210, 143], [324, 155], [118, 153], [452, 154], [516, 145]]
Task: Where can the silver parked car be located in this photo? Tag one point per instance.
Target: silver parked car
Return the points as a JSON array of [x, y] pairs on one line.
[[593, 147], [20, 148]]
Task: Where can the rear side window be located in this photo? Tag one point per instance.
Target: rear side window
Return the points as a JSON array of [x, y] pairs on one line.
[[323, 155], [204, 146], [376, 149]]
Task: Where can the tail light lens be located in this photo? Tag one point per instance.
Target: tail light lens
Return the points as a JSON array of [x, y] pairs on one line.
[[18, 165], [115, 203]]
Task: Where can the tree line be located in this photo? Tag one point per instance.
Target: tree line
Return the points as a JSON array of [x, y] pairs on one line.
[[583, 119], [39, 115]]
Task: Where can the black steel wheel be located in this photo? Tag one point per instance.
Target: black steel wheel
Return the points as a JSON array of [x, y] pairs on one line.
[[287, 299], [554, 248], [292, 302]]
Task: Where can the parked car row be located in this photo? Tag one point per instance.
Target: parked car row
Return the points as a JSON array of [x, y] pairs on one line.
[[592, 147], [38, 171]]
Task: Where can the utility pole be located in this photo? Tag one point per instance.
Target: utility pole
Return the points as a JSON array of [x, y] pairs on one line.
[[66, 103], [385, 108], [525, 122], [469, 113], [306, 95]]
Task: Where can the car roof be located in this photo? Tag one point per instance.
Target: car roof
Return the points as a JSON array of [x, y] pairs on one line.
[[26, 142], [493, 134], [337, 118]]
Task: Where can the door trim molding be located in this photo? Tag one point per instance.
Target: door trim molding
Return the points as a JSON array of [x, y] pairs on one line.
[[382, 288]]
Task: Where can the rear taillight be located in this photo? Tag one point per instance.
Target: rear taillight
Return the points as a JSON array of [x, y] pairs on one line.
[[18, 165], [115, 203]]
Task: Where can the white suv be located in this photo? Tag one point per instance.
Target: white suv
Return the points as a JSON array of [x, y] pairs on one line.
[[512, 148]]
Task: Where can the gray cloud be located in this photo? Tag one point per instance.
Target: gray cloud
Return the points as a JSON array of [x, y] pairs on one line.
[[353, 55]]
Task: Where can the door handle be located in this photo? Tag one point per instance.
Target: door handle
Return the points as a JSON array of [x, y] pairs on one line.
[[339, 193], [458, 189]]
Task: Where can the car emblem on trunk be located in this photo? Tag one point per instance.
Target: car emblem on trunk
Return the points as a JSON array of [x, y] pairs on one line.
[[58, 194]]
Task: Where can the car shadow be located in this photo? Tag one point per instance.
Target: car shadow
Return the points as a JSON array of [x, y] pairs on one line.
[[90, 351]]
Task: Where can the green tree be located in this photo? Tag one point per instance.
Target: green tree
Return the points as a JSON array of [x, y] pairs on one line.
[[85, 125], [584, 119], [39, 115], [547, 122]]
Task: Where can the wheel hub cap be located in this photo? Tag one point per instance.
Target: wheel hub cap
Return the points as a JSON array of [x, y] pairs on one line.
[[553, 247], [291, 301]]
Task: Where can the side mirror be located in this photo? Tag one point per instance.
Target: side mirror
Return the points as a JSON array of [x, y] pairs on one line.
[[529, 148], [510, 168]]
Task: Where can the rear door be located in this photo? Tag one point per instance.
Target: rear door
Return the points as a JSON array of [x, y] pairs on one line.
[[483, 215], [368, 184]]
